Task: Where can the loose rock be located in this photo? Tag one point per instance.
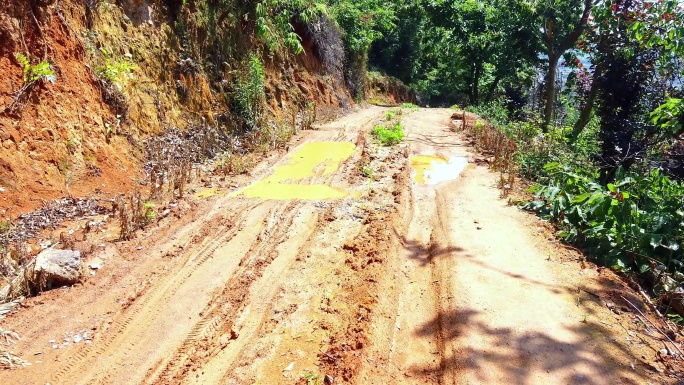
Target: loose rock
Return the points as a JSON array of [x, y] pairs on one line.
[[56, 268]]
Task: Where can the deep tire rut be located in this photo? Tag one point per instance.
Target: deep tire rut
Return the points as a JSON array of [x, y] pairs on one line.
[[159, 292]]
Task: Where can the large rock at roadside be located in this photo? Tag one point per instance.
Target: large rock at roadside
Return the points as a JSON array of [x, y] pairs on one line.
[[56, 268]]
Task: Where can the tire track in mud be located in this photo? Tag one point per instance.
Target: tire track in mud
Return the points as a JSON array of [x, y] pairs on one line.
[[203, 343], [262, 301], [161, 291], [370, 259], [120, 353], [212, 338], [408, 333]]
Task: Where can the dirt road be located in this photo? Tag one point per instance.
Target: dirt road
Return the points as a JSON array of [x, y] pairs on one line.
[[392, 271]]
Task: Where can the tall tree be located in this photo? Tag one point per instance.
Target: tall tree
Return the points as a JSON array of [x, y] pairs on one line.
[[562, 28]]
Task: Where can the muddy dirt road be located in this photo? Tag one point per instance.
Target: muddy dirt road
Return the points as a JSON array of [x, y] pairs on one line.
[[401, 266]]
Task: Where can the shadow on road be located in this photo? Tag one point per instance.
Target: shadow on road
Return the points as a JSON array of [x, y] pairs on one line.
[[517, 356]]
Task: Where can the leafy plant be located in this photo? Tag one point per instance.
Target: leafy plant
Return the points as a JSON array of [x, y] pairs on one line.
[[312, 379], [33, 73], [389, 136], [249, 93], [635, 223], [149, 213], [273, 21], [115, 71]]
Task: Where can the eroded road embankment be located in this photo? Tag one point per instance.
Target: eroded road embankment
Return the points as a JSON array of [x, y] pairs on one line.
[[396, 266]]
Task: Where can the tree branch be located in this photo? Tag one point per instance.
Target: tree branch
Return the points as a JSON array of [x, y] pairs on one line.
[[572, 37]]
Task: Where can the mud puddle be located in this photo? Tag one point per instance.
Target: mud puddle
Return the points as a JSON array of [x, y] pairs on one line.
[[433, 169], [299, 177]]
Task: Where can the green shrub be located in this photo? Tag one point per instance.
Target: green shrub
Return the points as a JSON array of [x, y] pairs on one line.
[[32, 73], [627, 224], [409, 106], [389, 115], [249, 93], [115, 71], [389, 136]]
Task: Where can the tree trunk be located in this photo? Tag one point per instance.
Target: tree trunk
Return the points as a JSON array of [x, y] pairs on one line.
[[550, 90], [492, 88], [585, 115], [476, 84], [471, 93]]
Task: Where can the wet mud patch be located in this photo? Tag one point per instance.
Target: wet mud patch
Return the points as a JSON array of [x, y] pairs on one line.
[[433, 169], [292, 180]]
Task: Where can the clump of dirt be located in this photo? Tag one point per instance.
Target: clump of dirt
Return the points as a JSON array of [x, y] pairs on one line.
[[366, 254]]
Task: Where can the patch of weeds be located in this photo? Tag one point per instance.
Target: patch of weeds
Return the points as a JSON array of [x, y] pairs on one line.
[[312, 379], [115, 71], [71, 146], [232, 164], [368, 172], [33, 73], [133, 214], [309, 116], [410, 106], [249, 96], [63, 166], [170, 157], [389, 115], [676, 318], [113, 76], [8, 360], [150, 213], [389, 136]]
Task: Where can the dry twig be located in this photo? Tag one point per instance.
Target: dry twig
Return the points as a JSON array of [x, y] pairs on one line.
[[654, 326]]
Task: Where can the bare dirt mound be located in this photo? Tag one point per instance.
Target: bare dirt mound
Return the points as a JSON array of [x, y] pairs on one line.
[[395, 282]]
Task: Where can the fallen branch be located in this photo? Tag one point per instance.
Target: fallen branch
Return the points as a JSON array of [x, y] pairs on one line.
[[15, 104], [654, 325]]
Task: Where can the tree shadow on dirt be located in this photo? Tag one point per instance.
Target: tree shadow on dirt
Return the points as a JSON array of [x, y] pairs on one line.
[[518, 356], [425, 254]]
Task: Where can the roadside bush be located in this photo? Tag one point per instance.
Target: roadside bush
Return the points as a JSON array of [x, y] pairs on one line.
[[634, 224], [249, 96], [389, 136], [33, 73], [630, 224], [115, 71]]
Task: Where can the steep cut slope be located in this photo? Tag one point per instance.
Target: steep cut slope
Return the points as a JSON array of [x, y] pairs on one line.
[[130, 69]]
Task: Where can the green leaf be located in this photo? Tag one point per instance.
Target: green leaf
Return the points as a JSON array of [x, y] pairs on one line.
[[581, 198]]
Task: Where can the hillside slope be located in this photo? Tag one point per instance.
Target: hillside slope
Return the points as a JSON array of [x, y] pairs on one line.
[[129, 70]]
